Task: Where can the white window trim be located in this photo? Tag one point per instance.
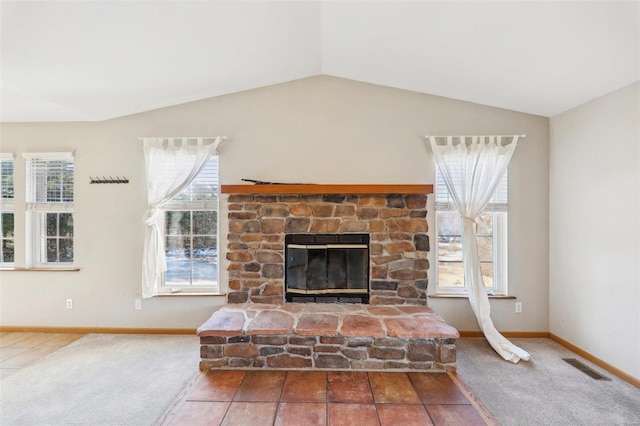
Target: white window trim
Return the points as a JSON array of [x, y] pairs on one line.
[[501, 254], [49, 155], [8, 206], [33, 237], [37, 229], [500, 259], [189, 288], [500, 239], [184, 205]]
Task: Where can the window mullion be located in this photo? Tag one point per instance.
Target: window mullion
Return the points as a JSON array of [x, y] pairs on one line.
[[58, 237], [2, 238], [501, 249], [191, 247], [41, 224], [496, 251]]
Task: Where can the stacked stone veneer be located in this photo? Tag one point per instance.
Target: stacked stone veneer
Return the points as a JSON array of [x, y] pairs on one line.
[[396, 223], [326, 352], [327, 336]]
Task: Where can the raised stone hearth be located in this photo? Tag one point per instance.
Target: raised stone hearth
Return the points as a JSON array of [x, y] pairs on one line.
[[327, 336]]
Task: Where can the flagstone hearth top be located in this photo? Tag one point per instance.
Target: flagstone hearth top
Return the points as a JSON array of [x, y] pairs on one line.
[[308, 319], [351, 189]]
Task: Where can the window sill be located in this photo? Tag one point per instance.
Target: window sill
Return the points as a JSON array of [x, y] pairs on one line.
[[190, 293], [464, 296], [39, 269]]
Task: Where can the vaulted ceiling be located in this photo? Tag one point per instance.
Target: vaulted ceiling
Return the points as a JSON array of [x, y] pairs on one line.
[[85, 61]]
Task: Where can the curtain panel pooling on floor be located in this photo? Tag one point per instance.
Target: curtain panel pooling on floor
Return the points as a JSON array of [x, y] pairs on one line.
[[472, 167]]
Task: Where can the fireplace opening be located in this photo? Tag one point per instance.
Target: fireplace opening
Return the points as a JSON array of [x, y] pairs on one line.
[[327, 268]]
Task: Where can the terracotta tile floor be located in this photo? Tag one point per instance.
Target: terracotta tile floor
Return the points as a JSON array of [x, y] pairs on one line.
[[19, 349], [235, 397], [248, 398]]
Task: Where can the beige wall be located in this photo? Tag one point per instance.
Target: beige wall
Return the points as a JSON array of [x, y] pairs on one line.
[[321, 129], [594, 248]]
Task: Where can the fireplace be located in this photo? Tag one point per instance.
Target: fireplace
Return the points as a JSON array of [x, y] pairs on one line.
[[327, 242], [327, 268], [393, 217]]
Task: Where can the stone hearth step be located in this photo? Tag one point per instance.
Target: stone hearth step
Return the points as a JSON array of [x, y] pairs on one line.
[[327, 336]]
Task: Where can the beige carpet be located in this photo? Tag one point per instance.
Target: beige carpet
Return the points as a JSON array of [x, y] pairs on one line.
[[105, 379], [545, 390], [101, 379]]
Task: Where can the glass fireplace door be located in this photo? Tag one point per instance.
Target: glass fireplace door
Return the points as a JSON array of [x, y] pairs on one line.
[[327, 266]]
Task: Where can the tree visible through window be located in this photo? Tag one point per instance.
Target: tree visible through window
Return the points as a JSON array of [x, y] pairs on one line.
[[6, 211], [7, 249], [50, 199], [191, 232], [58, 238]]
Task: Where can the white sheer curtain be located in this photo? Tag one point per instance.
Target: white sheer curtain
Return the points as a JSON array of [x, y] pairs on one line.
[[472, 167], [171, 165]]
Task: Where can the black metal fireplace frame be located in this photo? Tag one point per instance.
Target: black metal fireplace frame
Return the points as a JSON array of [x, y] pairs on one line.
[[333, 296]]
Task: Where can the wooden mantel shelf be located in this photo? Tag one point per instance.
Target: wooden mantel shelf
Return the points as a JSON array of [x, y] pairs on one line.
[[327, 189]]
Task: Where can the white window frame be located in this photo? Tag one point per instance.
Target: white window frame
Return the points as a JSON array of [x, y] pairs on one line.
[[36, 212], [7, 206], [498, 208], [195, 206]]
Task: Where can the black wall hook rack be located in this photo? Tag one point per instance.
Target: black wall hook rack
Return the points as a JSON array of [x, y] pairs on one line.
[[117, 179]]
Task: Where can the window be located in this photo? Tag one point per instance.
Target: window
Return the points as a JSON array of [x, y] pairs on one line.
[[49, 198], [191, 234], [6, 211], [491, 228]]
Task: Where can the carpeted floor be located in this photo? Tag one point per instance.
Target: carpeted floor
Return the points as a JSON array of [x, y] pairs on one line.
[[545, 390], [105, 379], [102, 379]]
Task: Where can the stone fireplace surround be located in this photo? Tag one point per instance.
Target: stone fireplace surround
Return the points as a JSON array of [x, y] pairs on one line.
[[257, 329], [396, 223]]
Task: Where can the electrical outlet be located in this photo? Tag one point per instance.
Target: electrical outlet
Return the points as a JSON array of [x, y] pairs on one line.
[[138, 304], [69, 303], [518, 307]]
